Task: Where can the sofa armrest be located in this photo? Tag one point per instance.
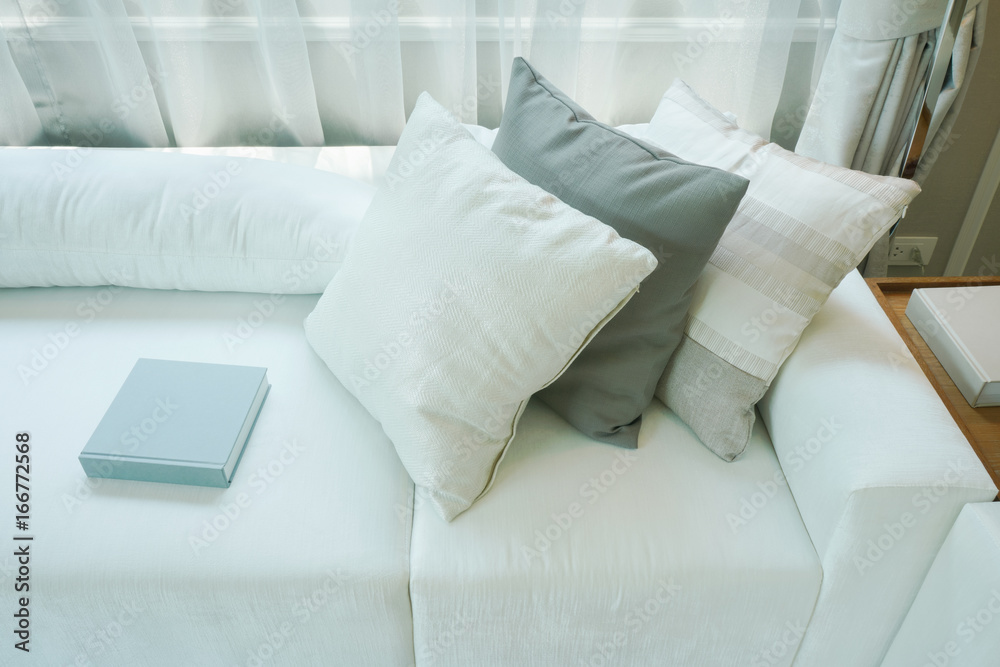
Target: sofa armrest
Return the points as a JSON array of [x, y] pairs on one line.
[[877, 466]]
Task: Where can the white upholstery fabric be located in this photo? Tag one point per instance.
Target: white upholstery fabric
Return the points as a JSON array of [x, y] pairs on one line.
[[955, 620], [466, 290], [646, 561], [141, 219], [313, 568], [878, 468]]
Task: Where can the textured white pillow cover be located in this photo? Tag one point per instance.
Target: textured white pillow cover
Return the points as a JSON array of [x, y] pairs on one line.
[[83, 217], [466, 290], [801, 227]]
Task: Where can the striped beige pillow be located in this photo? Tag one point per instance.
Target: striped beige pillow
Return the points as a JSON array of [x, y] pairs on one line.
[[802, 226]]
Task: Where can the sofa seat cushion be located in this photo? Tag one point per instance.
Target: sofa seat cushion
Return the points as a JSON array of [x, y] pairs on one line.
[[662, 555], [305, 555]]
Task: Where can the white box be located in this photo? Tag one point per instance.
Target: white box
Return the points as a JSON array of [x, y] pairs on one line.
[[961, 326]]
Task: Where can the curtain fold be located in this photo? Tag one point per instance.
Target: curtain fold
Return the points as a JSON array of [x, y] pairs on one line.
[[81, 67], [869, 94], [252, 87], [19, 121], [336, 72], [965, 56]]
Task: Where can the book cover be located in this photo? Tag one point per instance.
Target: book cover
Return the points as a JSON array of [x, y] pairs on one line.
[[178, 422], [961, 326]]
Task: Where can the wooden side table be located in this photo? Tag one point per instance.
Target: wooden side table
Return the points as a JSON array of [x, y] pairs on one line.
[[980, 425]]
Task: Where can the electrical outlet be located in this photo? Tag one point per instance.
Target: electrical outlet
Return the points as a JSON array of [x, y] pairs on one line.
[[912, 250]]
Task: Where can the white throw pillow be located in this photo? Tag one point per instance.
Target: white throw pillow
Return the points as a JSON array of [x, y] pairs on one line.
[[801, 227], [466, 290], [82, 217]]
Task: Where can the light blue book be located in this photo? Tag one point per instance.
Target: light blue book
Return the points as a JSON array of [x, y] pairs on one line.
[[179, 422]]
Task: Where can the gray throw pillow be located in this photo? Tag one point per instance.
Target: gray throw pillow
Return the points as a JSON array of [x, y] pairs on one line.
[[676, 209]]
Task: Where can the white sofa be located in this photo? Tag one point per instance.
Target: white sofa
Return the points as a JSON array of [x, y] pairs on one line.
[[808, 550], [953, 621]]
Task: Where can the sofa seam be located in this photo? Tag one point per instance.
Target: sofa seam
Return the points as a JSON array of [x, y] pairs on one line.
[[986, 528], [409, 569], [869, 487]]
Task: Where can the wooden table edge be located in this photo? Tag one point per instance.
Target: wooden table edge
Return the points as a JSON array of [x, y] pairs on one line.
[[879, 286]]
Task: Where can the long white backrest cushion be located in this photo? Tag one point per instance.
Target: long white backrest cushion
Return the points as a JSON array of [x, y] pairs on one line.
[[172, 221]]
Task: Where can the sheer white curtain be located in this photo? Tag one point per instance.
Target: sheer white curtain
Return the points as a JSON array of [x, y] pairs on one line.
[[334, 72]]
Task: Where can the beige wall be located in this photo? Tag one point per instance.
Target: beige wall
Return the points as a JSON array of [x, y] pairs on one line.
[[940, 209]]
